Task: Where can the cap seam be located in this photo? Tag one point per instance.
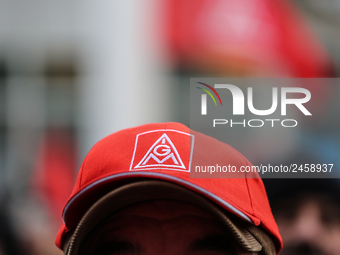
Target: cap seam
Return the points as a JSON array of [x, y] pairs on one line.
[[249, 194], [246, 162], [81, 172]]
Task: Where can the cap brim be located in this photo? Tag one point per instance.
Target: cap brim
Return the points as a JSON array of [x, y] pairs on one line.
[[162, 190]]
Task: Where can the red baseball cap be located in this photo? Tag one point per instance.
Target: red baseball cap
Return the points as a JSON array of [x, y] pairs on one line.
[[167, 152]]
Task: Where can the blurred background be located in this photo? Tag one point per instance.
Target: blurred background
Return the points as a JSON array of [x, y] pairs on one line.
[[72, 72]]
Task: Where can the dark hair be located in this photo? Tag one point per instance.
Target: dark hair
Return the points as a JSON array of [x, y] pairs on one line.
[[9, 241]]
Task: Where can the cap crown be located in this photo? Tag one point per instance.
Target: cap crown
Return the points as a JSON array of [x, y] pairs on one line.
[[168, 151]]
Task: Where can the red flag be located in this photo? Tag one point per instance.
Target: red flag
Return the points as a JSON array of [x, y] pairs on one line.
[[55, 171], [244, 37]]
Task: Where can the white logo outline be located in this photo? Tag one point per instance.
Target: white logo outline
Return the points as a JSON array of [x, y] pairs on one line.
[[153, 150]]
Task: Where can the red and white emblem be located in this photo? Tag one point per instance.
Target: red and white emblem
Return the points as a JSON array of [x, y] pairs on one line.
[[162, 149]]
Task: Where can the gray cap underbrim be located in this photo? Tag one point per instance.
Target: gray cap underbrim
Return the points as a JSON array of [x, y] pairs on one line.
[[250, 237]]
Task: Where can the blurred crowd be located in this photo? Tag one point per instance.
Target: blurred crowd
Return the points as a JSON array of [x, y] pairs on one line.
[[71, 73]]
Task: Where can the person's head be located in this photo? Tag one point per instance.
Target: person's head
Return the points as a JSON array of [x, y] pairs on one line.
[[161, 227], [307, 212], [135, 195]]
